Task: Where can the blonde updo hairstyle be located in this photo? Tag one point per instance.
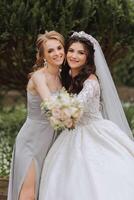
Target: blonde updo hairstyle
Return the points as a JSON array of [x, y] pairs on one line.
[[41, 39]]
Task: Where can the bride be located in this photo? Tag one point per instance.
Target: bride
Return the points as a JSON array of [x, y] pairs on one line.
[[94, 161]]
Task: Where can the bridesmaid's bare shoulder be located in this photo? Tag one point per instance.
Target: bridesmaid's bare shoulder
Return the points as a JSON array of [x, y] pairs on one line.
[[37, 78]]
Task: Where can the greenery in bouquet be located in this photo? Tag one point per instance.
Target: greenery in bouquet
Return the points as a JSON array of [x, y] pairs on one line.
[[63, 110]]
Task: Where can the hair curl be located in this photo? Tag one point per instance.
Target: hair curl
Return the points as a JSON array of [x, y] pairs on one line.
[[75, 85]]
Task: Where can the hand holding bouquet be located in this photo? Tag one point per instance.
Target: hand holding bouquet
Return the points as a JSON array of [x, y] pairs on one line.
[[63, 110]]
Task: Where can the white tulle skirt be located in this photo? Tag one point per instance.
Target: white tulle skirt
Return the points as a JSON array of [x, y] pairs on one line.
[[92, 162]]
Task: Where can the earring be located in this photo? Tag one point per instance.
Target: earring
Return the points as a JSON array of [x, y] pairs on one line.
[[45, 63], [60, 69]]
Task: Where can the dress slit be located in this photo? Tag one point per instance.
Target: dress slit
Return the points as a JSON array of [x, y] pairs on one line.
[[31, 164], [32, 144]]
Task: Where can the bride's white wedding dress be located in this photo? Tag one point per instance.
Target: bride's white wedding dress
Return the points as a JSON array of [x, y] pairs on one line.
[[95, 161]]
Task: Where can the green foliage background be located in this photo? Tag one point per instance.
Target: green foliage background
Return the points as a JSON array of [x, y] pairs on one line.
[[11, 120], [110, 21]]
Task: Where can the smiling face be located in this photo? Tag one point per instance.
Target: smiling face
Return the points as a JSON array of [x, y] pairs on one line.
[[76, 56], [54, 52]]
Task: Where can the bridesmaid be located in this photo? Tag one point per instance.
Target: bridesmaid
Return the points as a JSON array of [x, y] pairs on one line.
[[36, 135]]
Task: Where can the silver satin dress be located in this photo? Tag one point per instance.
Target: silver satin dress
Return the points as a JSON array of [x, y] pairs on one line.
[[32, 144]]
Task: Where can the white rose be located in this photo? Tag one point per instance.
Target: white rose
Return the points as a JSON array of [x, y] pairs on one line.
[[56, 113], [67, 112], [63, 115], [70, 111]]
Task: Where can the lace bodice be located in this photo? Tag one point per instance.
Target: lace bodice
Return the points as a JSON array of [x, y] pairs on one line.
[[90, 99]]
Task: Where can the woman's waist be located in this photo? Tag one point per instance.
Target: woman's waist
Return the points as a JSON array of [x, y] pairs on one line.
[[36, 115], [87, 117], [37, 119]]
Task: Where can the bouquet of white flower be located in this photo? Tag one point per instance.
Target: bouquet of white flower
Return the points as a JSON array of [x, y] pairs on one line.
[[63, 110]]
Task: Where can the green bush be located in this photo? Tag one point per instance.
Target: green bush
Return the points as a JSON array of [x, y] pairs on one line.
[[124, 70], [11, 120], [110, 21], [129, 111]]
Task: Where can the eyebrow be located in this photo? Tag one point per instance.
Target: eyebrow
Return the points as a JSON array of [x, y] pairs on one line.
[[82, 50], [51, 48]]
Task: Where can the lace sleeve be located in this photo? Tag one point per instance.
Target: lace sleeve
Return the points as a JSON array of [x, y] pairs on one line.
[[90, 91]]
